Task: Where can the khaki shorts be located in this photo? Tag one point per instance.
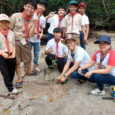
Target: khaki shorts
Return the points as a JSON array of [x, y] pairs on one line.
[[23, 53], [76, 36]]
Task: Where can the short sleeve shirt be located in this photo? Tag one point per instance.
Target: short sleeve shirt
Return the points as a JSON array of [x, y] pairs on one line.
[[52, 45], [53, 21], [77, 21], [80, 56], [86, 21], [42, 25], [108, 60], [11, 41], [17, 25]]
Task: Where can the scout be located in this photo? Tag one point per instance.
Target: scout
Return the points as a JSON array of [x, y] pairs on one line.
[[37, 32], [21, 24], [55, 20], [7, 53], [77, 57], [81, 9], [55, 50], [72, 21]]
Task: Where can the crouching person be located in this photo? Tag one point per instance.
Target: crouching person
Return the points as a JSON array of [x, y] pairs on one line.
[[105, 58], [55, 50], [7, 53], [77, 57]]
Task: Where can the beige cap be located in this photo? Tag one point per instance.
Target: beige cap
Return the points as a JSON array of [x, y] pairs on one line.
[[69, 37], [4, 17]]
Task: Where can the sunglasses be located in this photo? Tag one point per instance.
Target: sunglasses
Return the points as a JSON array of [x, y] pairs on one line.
[[67, 43]]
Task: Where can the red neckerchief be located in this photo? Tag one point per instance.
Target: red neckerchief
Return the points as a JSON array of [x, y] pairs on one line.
[[60, 19], [103, 56], [82, 14], [38, 26], [56, 53], [26, 25], [72, 19], [5, 35]]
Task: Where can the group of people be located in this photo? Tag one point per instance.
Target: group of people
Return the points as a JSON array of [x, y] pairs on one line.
[[23, 31]]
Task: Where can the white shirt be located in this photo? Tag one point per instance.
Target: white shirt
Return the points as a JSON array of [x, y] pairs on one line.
[[42, 24], [86, 21], [81, 56], [53, 21], [62, 49]]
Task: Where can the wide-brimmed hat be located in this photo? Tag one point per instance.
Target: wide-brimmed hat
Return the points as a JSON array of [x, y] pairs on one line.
[[4, 17], [69, 37], [73, 3], [103, 38], [82, 4]]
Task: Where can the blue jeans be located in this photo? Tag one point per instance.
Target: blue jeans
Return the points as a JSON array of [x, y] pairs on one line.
[[101, 79], [50, 36], [36, 52], [81, 40], [75, 74]]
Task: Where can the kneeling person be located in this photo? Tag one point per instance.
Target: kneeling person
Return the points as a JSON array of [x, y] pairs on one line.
[[7, 53], [55, 50], [77, 57]]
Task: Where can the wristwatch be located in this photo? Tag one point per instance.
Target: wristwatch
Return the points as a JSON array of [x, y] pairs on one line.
[[65, 76]]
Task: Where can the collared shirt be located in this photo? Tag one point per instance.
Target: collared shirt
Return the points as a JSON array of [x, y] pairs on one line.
[[53, 21], [11, 41], [86, 21], [80, 56], [42, 25], [108, 60], [77, 21], [17, 25], [62, 48]]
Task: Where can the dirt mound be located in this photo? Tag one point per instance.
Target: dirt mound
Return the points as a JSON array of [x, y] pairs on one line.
[[51, 89]]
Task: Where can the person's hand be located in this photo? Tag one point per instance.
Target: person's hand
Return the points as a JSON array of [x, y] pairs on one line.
[[40, 36], [52, 14], [35, 20], [12, 56], [57, 79], [62, 79], [80, 71], [85, 39], [5, 55], [50, 51], [88, 74]]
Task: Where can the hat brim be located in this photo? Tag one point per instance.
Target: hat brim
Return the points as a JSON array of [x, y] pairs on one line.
[[97, 41], [64, 41], [81, 5], [4, 20], [74, 4]]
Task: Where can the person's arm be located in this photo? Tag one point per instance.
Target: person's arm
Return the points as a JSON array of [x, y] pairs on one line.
[[49, 51], [13, 52], [41, 34], [32, 30], [85, 36], [66, 67], [87, 30], [5, 55], [64, 32], [50, 15], [64, 55], [12, 22]]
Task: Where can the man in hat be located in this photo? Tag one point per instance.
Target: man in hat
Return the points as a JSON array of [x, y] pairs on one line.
[[77, 57], [81, 9], [72, 21], [7, 53]]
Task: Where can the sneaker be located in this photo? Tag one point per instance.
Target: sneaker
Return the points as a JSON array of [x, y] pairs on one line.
[[37, 69], [106, 86], [19, 84], [15, 92], [97, 92]]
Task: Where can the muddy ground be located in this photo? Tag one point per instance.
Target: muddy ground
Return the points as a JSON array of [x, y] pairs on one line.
[[57, 99]]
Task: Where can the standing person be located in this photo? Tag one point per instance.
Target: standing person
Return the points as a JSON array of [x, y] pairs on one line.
[[77, 57], [38, 32], [105, 58], [81, 10], [55, 20], [72, 21], [21, 24], [7, 53], [55, 50]]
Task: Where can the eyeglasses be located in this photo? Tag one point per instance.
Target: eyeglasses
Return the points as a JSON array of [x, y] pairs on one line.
[[67, 43]]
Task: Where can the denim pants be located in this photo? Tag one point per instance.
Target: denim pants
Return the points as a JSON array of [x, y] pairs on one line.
[[81, 40], [50, 36], [36, 52], [75, 74], [101, 79]]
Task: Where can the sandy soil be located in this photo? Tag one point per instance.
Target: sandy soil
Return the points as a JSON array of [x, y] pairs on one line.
[[57, 99]]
